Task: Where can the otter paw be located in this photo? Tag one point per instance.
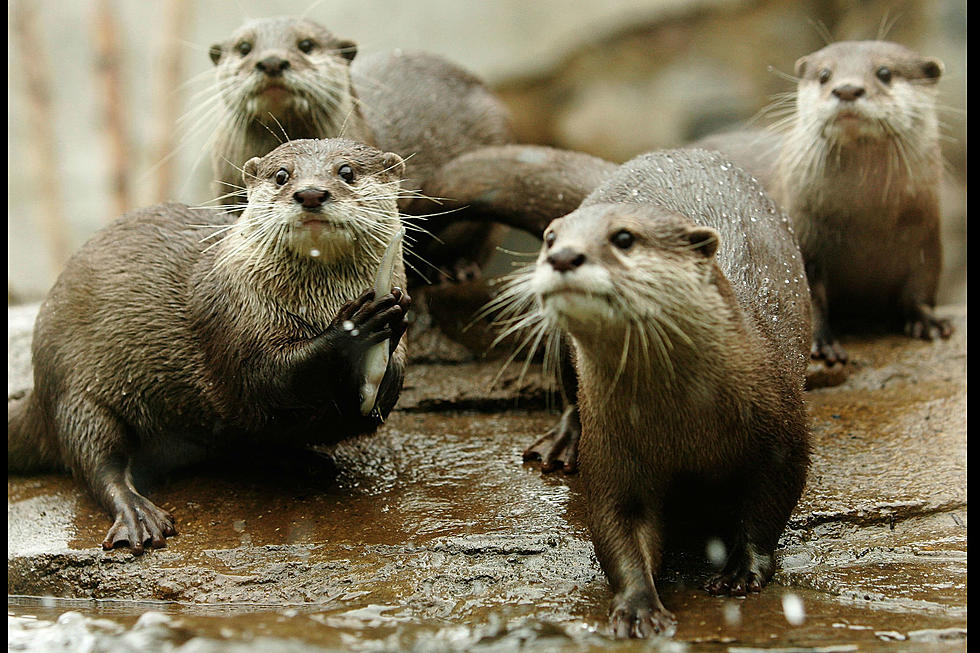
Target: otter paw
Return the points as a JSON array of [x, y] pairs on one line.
[[928, 328], [139, 523], [828, 350], [640, 619], [735, 583], [399, 324], [369, 320], [558, 448]]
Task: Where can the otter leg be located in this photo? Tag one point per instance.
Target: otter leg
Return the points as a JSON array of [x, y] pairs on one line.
[[558, 448], [628, 545], [918, 295], [824, 344], [768, 496], [95, 445], [918, 299]]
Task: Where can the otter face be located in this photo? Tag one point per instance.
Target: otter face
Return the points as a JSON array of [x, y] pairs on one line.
[[866, 90], [606, 268], [323, 199], [284, 67]]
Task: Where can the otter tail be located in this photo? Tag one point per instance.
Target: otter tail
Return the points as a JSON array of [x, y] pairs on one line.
[[28, 447], [524, 186]]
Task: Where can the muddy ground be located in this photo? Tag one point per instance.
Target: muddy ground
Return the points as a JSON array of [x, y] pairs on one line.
[[433, 535]]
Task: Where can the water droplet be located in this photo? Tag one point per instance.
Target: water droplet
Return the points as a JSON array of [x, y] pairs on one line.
[[347, 325], [314, 252], [732, 613], [793, 609], [716, 552]]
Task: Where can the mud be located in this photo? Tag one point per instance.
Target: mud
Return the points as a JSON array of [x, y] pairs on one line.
[[432, 534]]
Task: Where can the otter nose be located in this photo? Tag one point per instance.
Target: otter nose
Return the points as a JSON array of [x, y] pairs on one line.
[[566, 259], [311, 198], [273, 66], [848, 92]]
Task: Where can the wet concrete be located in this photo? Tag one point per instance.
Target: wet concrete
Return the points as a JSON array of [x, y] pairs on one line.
[[432, 534]]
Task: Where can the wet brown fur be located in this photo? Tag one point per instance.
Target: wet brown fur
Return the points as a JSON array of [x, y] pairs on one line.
[[863, 192], [691, 350], [175, 333], [416, 104]]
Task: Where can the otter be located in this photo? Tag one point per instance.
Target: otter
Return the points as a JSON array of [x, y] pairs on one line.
[[175, 334], [287, 77], [682, 290], [857, 166]]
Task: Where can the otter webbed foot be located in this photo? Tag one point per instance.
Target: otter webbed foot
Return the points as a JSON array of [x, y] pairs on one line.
[[558, 448], [138, 524], [745, 571], [639, 616], [924, 325], [825, 347], [368, 320]]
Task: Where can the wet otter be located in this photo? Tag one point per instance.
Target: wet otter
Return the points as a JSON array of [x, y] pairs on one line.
[[290, 77], [858, 169], [176, 333], [682, 289]]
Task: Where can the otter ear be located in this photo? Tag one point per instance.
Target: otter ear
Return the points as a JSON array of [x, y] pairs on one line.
[[932, 69], [347, 49], [704, 240], [250, 170], [800, 67], [215, 53], [393, 164]]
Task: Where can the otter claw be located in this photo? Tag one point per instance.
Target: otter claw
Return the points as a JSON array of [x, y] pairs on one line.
[[139, 524], [640, 622]]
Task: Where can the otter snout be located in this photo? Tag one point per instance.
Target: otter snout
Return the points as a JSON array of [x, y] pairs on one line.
[[272, 65], [566, 259], [311, 198], [848, 92]]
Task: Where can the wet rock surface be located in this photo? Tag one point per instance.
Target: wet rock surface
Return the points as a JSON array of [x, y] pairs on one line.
[[432, 534]]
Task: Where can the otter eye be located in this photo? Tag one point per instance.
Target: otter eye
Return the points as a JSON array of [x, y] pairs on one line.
[[549, 238], [622, 239], [884, 74], [281, 176], [346, 173], [244, 48], [305, 46], [823, 76]]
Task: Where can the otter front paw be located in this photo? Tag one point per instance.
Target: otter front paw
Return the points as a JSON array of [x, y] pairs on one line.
[[928, 327], [826, 348], [558, 448], [745, 571], [367, 320], [640, 617], [138, 523]]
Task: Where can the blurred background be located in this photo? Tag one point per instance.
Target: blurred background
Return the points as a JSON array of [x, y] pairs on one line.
[[106, 99]]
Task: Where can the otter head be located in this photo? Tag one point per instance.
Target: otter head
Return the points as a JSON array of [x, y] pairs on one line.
[[855, 90], [328, 200], [608, 270], [286, 70]]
